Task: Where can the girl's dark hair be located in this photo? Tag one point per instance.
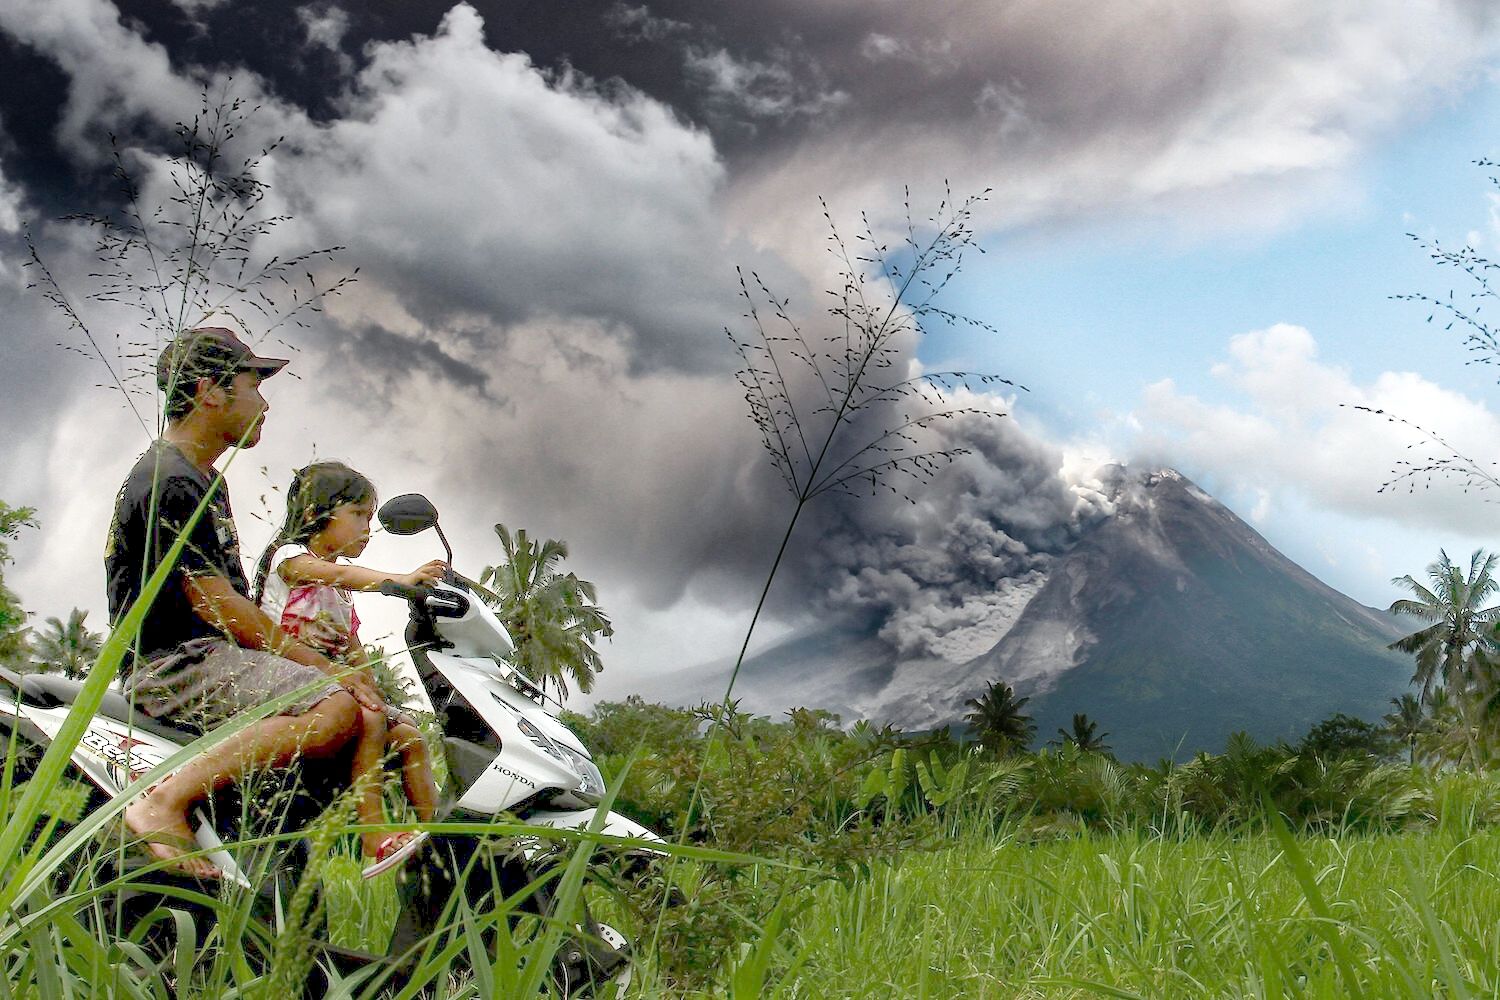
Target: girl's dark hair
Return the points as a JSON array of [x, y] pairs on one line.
[[316, 492]]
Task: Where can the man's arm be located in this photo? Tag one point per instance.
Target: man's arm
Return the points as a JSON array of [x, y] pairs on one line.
[[215, 600]]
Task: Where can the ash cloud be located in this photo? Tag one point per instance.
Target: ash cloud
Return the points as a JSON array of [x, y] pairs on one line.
[[546, 215], [1063, 107], [943, 575], [520, 195]]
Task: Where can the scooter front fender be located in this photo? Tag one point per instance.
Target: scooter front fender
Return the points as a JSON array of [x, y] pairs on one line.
[[615, 825]]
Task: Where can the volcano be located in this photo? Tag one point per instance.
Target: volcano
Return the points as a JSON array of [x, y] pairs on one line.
[[1171, 622]]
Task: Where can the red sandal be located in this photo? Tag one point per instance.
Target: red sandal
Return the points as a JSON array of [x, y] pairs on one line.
[[393, 852]]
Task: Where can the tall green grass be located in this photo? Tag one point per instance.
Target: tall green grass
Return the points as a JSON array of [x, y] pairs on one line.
[[1002, 909], [1138, 915]]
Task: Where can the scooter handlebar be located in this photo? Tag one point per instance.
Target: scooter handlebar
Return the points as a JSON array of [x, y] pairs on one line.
[[390, 588], [428, 600]]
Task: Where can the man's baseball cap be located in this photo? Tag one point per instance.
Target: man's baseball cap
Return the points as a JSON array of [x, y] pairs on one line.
[[210, 352]]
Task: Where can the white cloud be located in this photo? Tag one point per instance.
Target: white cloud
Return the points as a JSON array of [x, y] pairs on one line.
[[194, 7], [468, 181], [639, 24], [1298, 430], [12, 248], [877, 46], [758, 89], [1262, 508], [114, 74], [10, 207]]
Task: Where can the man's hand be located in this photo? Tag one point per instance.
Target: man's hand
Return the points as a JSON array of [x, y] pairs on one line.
[[363, 688], [217, 602]]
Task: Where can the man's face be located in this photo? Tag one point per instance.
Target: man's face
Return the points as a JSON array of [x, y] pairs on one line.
[[244, 409]]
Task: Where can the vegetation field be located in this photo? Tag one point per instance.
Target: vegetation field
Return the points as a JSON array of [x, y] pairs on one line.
[[1125, 915], [1311, 871], [1004, 912]]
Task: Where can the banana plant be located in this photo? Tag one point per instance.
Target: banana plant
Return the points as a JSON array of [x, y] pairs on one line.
[[940, 785]]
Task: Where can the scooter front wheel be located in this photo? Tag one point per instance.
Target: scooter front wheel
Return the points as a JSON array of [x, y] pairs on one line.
[[618, 942], [587, 962]]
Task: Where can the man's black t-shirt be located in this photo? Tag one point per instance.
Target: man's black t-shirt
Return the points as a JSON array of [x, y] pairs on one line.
[[137, 543]]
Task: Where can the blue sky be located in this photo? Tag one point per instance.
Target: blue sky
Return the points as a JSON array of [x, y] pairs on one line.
[[1089, 315], [1158, 298]]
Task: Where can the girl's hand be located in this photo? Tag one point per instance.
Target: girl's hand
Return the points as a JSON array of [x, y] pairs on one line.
[[431, 572]]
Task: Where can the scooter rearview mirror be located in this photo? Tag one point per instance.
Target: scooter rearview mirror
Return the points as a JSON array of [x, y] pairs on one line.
[[408, 514]]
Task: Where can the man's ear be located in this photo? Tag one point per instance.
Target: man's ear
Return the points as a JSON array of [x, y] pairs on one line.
[[209, 394]]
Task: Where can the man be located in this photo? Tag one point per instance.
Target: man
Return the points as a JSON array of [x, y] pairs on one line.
[[204, 651]]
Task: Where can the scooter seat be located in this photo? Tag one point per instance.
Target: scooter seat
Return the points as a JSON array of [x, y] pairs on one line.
[[57, 690]]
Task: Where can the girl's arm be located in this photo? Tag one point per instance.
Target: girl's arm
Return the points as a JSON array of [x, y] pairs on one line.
[[306, 568]]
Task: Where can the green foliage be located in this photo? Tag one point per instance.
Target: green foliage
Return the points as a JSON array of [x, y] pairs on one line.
[[1408, 723], [12, 615], [1084, 735], [941, 785], [553, 617], [66, 647], [1458, 651], [620, 728], [1342, 735], [395, 687], [802, 792], [806, 789]]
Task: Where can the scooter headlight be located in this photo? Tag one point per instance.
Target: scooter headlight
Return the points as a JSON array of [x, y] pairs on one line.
[[592, 785]]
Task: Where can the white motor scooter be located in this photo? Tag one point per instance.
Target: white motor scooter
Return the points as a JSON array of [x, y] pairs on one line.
[[506, 754]]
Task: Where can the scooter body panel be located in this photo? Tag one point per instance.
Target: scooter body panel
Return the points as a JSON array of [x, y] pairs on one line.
[[112, 753], [525, 765]]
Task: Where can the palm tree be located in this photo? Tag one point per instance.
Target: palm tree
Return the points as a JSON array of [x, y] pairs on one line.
[[553, 617], [1453, 651], [1407, 722], [14, 635], [997, 718], [68, 647], [1083, 735], [396, 688]]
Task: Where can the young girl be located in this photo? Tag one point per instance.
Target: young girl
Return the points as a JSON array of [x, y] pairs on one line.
[[328, 512]]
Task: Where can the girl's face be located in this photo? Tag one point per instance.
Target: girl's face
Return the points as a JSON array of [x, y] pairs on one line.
[[347, 530]]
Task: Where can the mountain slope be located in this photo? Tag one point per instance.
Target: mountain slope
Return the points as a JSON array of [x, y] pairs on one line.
[[1172, 622]]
